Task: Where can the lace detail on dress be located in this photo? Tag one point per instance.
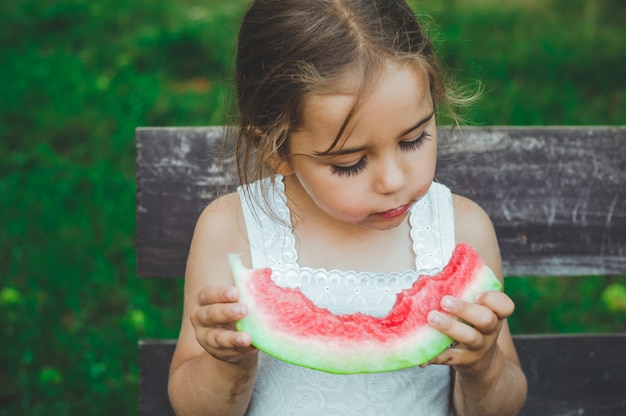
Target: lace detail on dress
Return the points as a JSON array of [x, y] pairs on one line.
[[432, 229], [347, 292], [272, 244]]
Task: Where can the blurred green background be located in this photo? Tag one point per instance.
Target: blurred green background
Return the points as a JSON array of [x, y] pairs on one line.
[[78, 76]]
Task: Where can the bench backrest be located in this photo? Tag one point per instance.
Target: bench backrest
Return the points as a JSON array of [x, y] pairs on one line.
[[556, 196]]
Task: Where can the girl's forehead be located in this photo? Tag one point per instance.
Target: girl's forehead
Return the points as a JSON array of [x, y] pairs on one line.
[[352, 91], [396, 101], [325, 109]]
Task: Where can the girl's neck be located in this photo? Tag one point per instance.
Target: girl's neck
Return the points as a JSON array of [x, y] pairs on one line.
[[328, 243]]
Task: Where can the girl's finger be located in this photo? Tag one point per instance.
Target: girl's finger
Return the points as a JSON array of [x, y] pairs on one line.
[[220, 338], [476, 315], [464, 334], [217, 294], [226, 345], [502, 305], [218, 315]]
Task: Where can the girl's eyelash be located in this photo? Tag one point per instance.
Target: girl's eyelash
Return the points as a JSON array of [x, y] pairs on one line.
[[416, 143], [347, 171]]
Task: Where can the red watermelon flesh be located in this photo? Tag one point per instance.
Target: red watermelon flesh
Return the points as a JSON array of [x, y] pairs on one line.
[[284, 323]]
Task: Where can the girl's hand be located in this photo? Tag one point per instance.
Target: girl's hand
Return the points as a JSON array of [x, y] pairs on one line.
[[213, 319], [476, 330]]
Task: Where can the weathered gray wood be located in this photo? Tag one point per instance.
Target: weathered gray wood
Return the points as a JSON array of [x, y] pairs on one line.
[[179, 171], [574, 374], [154, 362], [567, 375], [556, 195]]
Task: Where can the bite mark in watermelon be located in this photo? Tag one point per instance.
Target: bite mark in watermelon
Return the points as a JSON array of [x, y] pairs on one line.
[[287, 325]]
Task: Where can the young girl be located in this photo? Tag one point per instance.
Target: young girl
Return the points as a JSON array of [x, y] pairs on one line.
[[337, 151]]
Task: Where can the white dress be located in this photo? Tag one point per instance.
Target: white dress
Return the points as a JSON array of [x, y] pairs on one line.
[[284, 389]]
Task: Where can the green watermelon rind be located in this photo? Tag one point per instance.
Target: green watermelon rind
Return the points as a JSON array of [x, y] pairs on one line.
[[331, 355]]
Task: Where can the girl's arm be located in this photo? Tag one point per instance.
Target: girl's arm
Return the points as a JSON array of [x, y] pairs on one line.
[[213, 370], [488, 379]]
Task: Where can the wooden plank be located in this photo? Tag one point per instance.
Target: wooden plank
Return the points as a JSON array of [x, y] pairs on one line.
[[179, 171], [567, 374], [556, 195], [574, 374], [155, 357]]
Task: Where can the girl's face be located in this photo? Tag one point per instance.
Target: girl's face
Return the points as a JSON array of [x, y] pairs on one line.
[[386, 161]]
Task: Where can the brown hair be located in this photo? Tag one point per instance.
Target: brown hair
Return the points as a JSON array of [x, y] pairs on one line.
[[290, 49]]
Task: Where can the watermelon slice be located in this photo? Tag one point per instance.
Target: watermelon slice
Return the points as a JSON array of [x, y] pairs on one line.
[[287, 325]]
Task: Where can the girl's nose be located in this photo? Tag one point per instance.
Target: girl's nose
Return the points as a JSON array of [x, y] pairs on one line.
[[390, 177]]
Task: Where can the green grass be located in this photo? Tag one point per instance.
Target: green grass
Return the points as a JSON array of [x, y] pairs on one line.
[[77, 77]]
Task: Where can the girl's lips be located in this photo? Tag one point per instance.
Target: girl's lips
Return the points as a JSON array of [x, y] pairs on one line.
[[396, 212]]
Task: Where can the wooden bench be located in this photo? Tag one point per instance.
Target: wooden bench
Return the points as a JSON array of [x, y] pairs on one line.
[[556, 195]]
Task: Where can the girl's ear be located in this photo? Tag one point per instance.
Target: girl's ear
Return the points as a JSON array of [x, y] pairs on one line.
[[274, 160], [280, 165]]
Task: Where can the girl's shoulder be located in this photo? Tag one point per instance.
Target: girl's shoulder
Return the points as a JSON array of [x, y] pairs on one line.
[[473, 226], [469, 213], [220, 229], [222, 212]]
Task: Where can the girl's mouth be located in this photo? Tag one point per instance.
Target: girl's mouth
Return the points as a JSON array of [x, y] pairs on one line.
[[396, 212]]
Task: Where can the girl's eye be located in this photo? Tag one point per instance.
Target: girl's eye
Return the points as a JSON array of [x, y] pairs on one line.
[[416, 143], [347, 171]]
